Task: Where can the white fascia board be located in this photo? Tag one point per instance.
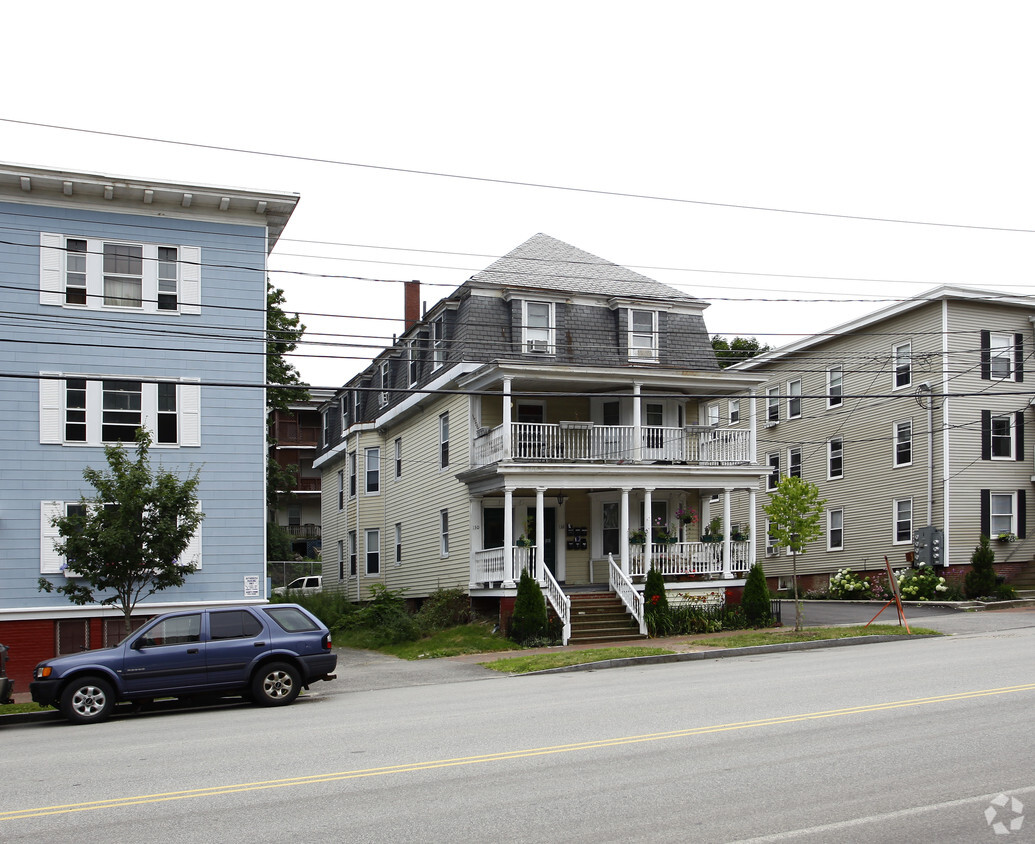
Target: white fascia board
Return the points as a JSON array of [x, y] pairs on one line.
[[342, 447]]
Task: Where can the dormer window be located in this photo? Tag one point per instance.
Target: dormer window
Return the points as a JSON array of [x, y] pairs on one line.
[[538, 328], [643, 335], [438, 343]]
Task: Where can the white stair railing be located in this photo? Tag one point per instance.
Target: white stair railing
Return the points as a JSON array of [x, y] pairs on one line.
[[560, 602], [624, 589]]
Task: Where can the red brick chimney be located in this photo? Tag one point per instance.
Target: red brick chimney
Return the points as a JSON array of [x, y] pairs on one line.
[[411, 304]]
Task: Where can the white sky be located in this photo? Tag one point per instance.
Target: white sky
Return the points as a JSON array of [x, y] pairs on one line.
[[905, 110]]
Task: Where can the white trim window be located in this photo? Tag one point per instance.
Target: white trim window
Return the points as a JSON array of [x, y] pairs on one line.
[[398, 458], [353, 553], [99, 274], [733, 411], [385, 379], [771, 549], [1001, 438], [341, 559], [794, 399], [412, 361], [341, 489], [87, 411], [373, 548], [443, 441], [902, 362], [712, 415], [902, 514], [835, 459], [398, 543], [772, 480], [344, 402], [836, 529], [1002, 513], [794, 462], [835, 387], [772, 404], [903, 443], [352, 474], [444, 532], [1002, 354], [438, 342], [372, 463], [643, 335], [538, 328]]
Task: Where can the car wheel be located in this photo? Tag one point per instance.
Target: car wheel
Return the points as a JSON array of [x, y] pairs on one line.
[[276, 684], [87, 700]]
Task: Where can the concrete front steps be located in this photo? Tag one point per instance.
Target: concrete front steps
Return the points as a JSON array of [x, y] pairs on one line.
[[600, 617]]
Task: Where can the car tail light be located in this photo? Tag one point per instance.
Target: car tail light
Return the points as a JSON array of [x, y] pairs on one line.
[[327, 642]]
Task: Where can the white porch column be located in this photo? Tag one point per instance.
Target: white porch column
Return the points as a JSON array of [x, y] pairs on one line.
[[752, 532], [477, 511], [506, 419], [753, 453], [727, 561], [623, 534], [648, 527], [508, 537], [540, 535], [706, 511], [637, 454]]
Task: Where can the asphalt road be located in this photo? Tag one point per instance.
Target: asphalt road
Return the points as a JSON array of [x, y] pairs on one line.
[[903, 741]]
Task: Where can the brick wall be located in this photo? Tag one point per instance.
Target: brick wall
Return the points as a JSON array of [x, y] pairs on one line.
[[29, 642]]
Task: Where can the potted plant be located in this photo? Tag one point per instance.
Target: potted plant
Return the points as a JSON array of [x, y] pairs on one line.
[[638, 536], [1006, 537]]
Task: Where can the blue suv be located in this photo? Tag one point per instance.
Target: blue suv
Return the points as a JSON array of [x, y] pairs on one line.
[[266, 653]]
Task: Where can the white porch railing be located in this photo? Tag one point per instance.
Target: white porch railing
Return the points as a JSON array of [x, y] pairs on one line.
[[489, 564], [560, 602], [623, 588], [572, 442], [690, 558]]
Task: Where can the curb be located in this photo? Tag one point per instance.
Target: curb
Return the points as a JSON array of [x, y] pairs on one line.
[[725, 653]]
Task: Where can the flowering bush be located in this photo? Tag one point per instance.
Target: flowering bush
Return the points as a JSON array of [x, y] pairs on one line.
[[920, 584], [847, 585]]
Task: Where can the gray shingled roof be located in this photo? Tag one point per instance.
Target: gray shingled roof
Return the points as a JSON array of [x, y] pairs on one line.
[[545, 263]]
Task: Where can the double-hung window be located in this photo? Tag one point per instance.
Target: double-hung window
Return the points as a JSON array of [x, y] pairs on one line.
[[444, 532], [903, 443], [794, 462], [76, 410], [835, 386], [384, 396], [373, 543], [398, 458], [538, 326], [733, 409], [353, 553], [1002, 436], [398, 543], [835, 529], [438, 342], [106, 274], [902, 361], [772, 480], [1004, 512], [712, 415], [352, 474], [903, 521], [1002, 356], [443, 441], [373, 471], [794, 399], [835, 458], [643, 335], [772, 404], [341, 559]]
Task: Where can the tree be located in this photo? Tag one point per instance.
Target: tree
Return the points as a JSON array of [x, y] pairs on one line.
[[755, 601], [529, 618], [729, 352], [980, 580], [126, 542], [794, 512]]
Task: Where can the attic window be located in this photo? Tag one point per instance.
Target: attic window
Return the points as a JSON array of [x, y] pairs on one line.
[[643, 335], [538, 328]]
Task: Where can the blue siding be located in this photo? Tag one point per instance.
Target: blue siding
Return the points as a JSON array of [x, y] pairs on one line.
[[39, 337]]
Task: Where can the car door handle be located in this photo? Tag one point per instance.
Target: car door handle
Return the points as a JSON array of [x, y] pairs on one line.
[[192, 650], [260, 644]]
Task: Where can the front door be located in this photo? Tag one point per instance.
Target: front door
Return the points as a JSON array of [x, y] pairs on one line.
[[549, 536]]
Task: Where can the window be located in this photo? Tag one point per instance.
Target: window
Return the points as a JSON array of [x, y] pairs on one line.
[[341, 489], [444, 532], [384, 396], [373, 473], [794, 399], [835, 386], [398, 543], [903, 521], [772, 404], [352, 553], [345, 415], [325, 427], [373, 551], [538, 328], [352, 474], [341, 559], [233, 624], [413, 361], [713, 415], [1004, 512], [794, 462], [443, 441], [903, 364], [438, 342], [770, 543], [643, 335], [903, 443], [398, 458], [98, 274], [835, 459], [82, 411], [1002, 356], [835, 530], [773, 478], [734, 411], [1002, 436], [610, 523]]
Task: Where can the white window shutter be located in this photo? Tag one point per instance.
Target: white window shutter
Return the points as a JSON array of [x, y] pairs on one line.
[[52, 409], [190, 414], [192, 553], [52, 269], [190, 280], [50, 560]]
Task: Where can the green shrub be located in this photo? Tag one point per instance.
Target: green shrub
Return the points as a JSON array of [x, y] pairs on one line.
[[846, 585], [980, 580], [921, 584], [655, 605], [444, 608], [385, 616], [1005, 592], [528, 621], [755, 601]]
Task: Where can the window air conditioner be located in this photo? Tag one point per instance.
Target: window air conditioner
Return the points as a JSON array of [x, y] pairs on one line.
[[539, 347], [382, 398]]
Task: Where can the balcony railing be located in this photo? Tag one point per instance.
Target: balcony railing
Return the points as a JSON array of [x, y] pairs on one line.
[[690, 559], [489, 564], [585, 442], [304, 531]]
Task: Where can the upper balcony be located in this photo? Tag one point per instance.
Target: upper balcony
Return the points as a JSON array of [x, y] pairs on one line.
[[569, 442]]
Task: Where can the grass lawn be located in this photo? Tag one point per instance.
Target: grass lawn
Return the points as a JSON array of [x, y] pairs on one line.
[[542, 661]]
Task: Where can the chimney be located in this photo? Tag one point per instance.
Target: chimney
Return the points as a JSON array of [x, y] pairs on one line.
[[411, 304]]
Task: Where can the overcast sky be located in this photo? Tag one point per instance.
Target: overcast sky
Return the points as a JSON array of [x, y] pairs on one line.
[[915, 111]]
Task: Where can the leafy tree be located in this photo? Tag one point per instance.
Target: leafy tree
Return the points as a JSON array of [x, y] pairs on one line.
[[127, 542], [728, 352], [755, 601], [529, 618], [794, 512], [980, 580]]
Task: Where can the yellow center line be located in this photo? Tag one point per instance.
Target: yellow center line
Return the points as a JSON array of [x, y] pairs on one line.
[[214, 791]]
